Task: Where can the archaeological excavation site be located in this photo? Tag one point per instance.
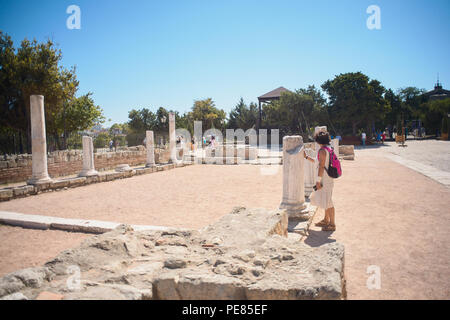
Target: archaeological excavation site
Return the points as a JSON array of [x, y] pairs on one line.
[[249, 252]]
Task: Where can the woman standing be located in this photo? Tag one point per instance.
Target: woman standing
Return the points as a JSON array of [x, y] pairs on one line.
[[321, 197]]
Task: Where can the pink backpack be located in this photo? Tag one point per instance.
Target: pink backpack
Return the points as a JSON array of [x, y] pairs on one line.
[[334, 166]]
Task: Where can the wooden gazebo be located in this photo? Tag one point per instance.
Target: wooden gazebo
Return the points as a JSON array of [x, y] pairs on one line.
[[266, 98]]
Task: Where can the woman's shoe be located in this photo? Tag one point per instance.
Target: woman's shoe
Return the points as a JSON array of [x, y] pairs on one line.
[[321, 223], [330, 227]]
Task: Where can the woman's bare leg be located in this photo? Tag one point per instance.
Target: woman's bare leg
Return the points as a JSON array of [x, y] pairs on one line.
[[331, 216]]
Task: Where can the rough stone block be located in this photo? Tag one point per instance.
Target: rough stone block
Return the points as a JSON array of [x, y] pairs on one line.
[[75, 182], [22, 191], [60, 184], [244, 255], [92, 179], [6, 194]]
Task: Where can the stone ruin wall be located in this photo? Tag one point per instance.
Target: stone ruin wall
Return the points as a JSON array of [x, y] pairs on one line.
[[17, 168]]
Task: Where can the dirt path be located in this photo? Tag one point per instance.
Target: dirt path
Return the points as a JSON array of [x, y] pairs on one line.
[[188, 197], [397, 219], [25, 248]]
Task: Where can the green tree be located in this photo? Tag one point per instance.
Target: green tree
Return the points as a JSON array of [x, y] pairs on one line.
[[290, 114], [395, 107], [79, 114], [444, 128], [34, 68], [206, 112], [102, 140], [141, 120], [433, 113], [355, 100], [243, 116]]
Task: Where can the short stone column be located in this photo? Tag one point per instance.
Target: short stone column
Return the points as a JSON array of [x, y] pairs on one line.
[[310, 172], [150, 145], [172, 138], [293, 200], [88, 158], [39, 170], [335, 145]]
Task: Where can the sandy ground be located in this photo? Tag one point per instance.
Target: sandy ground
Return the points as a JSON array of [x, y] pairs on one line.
[[387, 215], [24, 248], [392, 217], [189, 197]]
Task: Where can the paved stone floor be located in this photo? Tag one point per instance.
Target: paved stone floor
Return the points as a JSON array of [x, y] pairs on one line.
[[428, 157], [434, 153]]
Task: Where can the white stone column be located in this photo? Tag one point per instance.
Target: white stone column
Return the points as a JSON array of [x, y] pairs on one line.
[[88, 158], [150, 145], [293, 200], [310, 172], [172, 138], [335, 145], [38, 141]]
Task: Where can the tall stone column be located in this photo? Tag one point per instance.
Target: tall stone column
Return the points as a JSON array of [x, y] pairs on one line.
[[293, 200], [88, 158], [38, 141], [172, 138], [150, 145]]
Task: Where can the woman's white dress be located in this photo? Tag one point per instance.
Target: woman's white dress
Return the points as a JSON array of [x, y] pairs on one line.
[[322, 198]]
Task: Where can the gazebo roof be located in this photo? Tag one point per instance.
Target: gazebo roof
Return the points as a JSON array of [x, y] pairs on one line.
[[438, 92], [274, 94]]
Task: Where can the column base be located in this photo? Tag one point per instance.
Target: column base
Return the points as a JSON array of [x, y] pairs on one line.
[[36, 181], [88, 173], [292, 208], [308, 191]]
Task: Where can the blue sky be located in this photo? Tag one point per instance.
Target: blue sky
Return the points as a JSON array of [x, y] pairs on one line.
[[135, 54]]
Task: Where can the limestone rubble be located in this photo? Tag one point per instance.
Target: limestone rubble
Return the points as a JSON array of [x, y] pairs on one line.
[[244, 255]]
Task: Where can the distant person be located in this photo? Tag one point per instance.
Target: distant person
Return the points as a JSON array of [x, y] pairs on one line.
[[379, 137], [111, 144], [322, 195], [383, 136], [363, 139]]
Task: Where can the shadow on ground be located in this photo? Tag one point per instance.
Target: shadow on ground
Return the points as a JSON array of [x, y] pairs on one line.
[[318, 238]]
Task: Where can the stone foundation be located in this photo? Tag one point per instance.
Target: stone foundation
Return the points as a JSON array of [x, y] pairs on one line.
[[245, 255], [17, 168], [9, 193]]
